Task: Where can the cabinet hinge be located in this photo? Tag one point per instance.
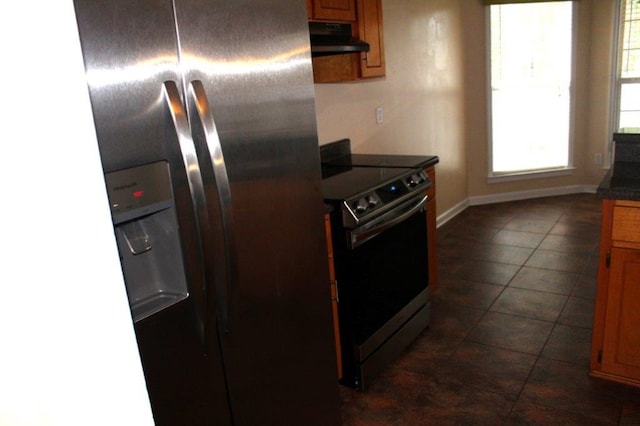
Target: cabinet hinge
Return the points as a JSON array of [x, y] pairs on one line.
[[608, 260], [600, 356]]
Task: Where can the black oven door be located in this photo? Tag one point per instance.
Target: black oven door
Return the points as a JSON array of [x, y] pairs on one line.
[[382, 277]]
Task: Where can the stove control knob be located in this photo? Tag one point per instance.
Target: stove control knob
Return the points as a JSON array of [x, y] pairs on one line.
[[361, 205], [415, 180], [371, 201]]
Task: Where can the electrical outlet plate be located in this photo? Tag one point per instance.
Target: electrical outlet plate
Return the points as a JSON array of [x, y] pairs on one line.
[[597, 158], [379, 115]]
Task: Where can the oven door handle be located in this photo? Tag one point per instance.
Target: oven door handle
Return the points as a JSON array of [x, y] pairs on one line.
[[360, 235]]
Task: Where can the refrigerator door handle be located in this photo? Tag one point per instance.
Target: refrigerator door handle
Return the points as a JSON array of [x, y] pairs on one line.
[[196, 188], [206, 128]]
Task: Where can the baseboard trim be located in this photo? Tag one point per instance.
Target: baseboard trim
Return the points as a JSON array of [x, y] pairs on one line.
[[452, 212], [512, 196]]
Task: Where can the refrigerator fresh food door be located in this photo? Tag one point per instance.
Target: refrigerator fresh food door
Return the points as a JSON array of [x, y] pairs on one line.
[[248, 83]]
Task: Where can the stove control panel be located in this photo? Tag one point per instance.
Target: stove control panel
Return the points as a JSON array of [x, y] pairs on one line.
[[370, 204], [416, 179], [365, 204]]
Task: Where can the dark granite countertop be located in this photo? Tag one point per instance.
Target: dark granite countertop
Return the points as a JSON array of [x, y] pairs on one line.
[[388, 160], [339, 153], [616, 188], [622, 181]]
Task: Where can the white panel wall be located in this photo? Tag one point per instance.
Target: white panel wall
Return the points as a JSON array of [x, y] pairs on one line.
[[68, 354]]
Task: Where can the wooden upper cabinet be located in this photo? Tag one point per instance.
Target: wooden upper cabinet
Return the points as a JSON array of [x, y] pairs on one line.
[[370, 30], [309, 9], [333, 10], [356, 66]]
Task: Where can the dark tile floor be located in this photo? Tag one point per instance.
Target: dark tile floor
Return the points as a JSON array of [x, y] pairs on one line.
[[510, 334]]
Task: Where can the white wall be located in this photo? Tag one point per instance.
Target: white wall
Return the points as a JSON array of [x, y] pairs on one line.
[[592, 89], [422, 94], [68, 352], [434, 97]]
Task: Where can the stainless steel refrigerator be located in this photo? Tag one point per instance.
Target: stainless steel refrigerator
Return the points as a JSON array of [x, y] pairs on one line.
[[205, 118]]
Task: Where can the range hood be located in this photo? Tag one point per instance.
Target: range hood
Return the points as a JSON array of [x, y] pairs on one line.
[[333, 38]]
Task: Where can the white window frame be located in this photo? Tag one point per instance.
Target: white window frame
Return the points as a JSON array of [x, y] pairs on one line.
[[541, 173], [616, 61], [616, 79]]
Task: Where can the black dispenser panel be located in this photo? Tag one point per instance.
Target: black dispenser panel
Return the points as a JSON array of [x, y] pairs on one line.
[[146, 229]]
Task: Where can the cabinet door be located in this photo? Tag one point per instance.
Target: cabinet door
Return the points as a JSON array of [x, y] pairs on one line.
[[432, 231], [334, 10], [309, 9], [334, 68], [370, 30], [621, 349], [334, 294]]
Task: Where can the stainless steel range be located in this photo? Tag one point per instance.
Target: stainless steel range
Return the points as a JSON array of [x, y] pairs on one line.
[[379, 234]]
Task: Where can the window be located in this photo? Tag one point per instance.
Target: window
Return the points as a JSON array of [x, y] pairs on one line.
[[531, 57], [628, 75]]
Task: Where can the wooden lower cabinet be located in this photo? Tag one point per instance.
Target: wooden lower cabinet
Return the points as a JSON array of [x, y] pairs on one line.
[[615, 353], [432, 240], [334, 293], [621, 346]]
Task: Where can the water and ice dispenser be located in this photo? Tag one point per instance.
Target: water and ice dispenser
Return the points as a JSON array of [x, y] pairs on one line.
[[147, 233]]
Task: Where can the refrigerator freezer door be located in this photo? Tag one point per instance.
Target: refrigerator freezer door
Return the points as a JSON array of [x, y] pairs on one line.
[[148, 240], [130, 51], [255, 232]]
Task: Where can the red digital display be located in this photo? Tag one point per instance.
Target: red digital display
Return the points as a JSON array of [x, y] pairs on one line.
[[138, 194]]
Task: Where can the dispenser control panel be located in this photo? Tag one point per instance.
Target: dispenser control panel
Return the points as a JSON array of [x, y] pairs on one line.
[[139, 191]]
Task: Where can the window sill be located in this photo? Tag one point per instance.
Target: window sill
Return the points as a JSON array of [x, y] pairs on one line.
[[534, 174]]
